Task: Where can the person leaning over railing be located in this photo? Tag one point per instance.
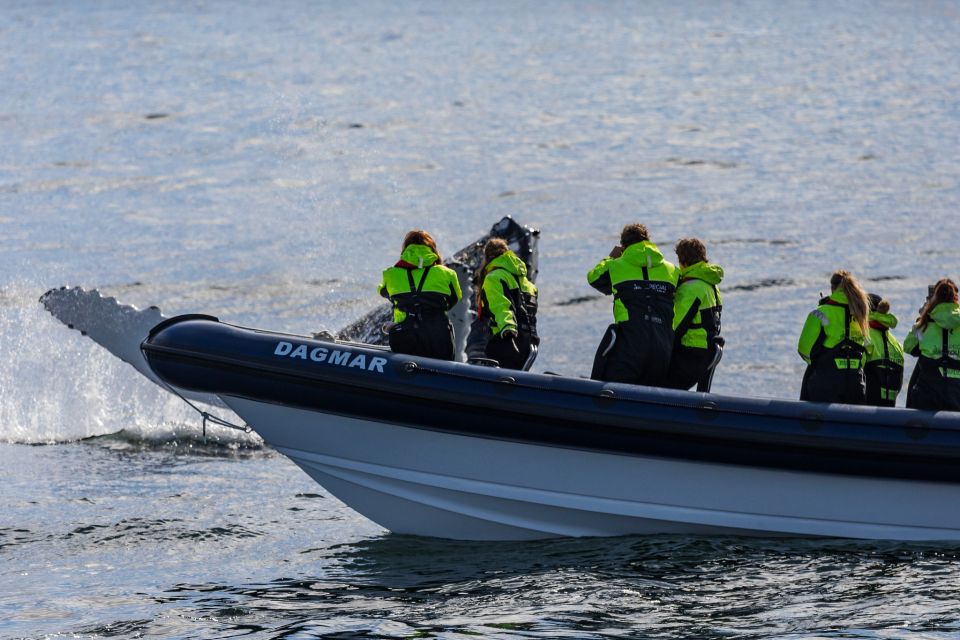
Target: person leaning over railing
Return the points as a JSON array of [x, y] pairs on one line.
[[935, 340], [832, 344], [507, 300], [422, 290]]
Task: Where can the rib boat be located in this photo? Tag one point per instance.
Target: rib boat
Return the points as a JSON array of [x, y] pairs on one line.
[[456, 450]]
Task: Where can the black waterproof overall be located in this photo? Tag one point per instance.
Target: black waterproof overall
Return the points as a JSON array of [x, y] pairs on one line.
[[425, 331], [936, 383], [638, 350], [884, 377], [836, 373], [692, 365]]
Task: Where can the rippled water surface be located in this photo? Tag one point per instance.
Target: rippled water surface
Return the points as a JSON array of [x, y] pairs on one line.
[[261, 161]]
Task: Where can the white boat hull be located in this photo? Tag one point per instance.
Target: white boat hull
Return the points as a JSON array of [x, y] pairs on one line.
[[431, 483]]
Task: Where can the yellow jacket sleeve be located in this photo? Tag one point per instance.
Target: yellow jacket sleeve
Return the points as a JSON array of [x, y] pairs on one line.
[[382, 288], [810, 333], [498, 304], [911, 344], [455, 285], [599, 277], [682, 301]]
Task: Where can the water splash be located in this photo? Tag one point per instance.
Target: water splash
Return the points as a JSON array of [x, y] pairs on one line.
[[57, 386]]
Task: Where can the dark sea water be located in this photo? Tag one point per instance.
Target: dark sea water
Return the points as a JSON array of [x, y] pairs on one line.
[[261, 162]]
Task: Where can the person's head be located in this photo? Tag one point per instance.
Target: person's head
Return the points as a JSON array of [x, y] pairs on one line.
[[944, 291], [419, 236], [856, 298], [690, 251], [632, 234], [878, 303], [494, 248]]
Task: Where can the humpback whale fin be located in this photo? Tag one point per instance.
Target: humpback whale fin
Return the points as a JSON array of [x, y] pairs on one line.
[[120, 328]]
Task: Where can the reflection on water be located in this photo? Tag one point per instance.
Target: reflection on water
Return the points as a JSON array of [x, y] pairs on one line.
[[261, 161], [660, 587]]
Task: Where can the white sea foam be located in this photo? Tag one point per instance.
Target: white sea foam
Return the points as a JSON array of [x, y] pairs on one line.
[[58, 386]]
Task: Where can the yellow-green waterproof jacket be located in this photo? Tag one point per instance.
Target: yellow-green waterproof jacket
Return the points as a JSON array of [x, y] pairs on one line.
[[697, 304], [875, 350], [507, 298], [640, 274], [929, 342], [419, 284], [824, 329]]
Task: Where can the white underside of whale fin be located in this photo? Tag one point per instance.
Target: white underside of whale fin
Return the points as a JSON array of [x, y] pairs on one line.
[[118, 328]]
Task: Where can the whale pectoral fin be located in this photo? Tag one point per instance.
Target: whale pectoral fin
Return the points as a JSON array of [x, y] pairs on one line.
[[118, 328]]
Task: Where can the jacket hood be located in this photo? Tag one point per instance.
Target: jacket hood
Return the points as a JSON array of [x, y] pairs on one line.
[[887, 320], [418, 256], [709, 273], [837, 296], [643, 254], [946, 314], [509, 262]]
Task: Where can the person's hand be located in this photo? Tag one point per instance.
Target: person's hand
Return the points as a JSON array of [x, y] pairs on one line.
[[616, 252]]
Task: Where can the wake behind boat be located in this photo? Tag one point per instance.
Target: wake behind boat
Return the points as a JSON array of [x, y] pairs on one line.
[[454, 450]]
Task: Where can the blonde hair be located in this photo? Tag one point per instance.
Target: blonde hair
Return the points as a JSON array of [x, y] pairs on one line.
[[856, 299]]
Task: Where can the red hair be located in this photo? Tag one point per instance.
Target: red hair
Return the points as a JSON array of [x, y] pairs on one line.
[[419, 236]]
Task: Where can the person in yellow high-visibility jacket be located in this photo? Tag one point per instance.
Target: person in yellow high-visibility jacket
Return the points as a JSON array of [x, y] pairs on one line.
[[833, 344], [422, 290], [636, 349], [884, 365], [696, 318], [935, 341], [508, 301]]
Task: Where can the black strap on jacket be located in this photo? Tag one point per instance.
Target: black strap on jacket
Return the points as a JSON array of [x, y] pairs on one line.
[[709, 316], [841, 354], [945, 346], [946, 361], [414, 304], [423, 278], [888, 373], [847, 348]]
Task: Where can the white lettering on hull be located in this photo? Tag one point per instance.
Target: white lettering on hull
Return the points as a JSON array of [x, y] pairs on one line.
[[323, 355], [300, 352]]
